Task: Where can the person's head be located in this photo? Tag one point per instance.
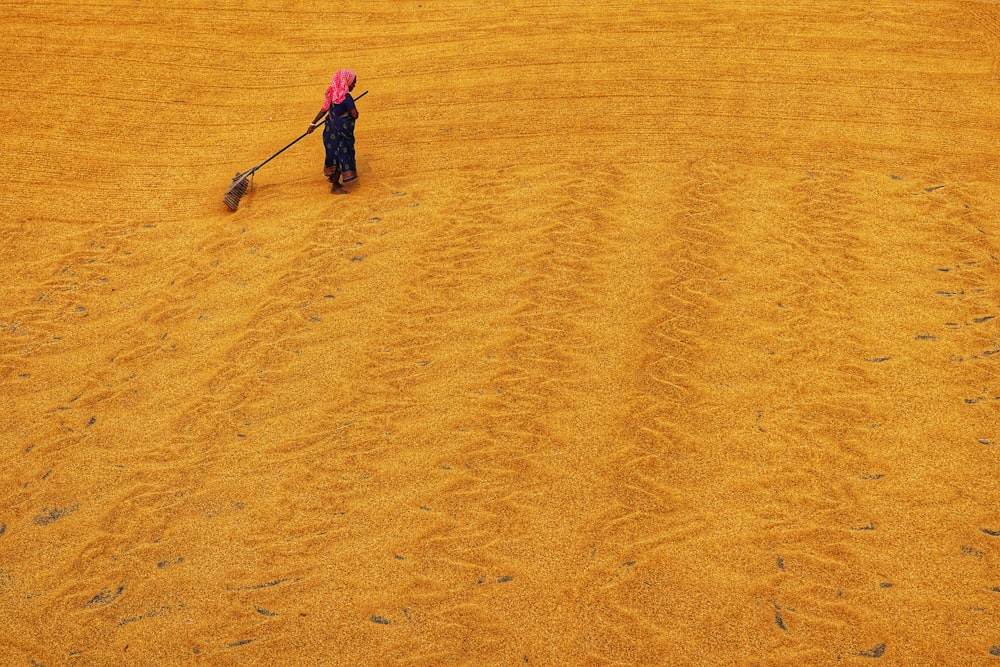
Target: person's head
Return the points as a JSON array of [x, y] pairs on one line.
[[343, 82]]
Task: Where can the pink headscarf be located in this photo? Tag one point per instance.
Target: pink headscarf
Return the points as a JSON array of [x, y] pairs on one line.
[[337, 91]]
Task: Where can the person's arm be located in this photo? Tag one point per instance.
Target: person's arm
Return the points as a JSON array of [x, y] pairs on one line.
[[352, 112], [315, 123]]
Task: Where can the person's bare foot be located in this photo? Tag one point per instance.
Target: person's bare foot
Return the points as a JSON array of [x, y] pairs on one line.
[[338, 189]]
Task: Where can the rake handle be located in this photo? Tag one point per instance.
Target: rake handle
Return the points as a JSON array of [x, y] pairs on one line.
[[297, 140]]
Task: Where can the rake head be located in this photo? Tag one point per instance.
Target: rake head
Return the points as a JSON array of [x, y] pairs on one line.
[[237, 189]]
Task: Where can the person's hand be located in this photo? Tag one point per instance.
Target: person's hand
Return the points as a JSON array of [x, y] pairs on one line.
[[312, 126]]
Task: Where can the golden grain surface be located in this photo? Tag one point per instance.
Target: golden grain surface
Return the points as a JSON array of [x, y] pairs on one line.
[[654, 333]]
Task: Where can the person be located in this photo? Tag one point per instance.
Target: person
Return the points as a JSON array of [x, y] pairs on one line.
[[341, 114]]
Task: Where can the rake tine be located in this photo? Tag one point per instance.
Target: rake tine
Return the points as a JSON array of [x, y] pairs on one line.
[[236, 190]]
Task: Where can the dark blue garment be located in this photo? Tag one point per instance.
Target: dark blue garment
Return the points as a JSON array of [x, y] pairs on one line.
[[338, 137], [343, 108]]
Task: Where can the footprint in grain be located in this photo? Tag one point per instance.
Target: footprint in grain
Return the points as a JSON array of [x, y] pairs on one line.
[[166, 609], [266, 584], [107, 596], [969, 551], [6, 577], [51, 515], [874, 652]]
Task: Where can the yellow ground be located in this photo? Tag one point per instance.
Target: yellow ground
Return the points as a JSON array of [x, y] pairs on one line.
[[654, 333]]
